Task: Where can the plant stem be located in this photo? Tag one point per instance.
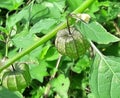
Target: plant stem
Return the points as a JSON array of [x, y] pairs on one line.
[[68, 26], [6, 47], [47, 89], [48, 36]]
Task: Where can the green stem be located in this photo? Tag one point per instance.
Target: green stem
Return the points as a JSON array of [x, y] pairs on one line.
[[48, 86], [6, 48], [48, 36]]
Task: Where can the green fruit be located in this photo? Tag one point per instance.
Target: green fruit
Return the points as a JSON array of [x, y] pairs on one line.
[[71, 44], [16, 79]]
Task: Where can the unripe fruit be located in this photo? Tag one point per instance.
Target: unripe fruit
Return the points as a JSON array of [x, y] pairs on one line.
[[17, 79], [71, 44]]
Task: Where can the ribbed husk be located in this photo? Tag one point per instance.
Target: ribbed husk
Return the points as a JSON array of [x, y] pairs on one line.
[[72, 45], [17, 79]]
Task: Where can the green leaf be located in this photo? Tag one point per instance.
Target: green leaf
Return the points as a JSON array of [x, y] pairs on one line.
[[17, 17], [93, 9], [51, 54], [81, 65], [56, 7], [44, 51], [10, 4], [5, 93], [61, 85], [38, 93], [39, 72], [105, 77], [91, 95], [59, 4], [113, 10], [74, 4], [43, 25], [24, 39], [2, 29], [95, 32], [38, 11], [28, 13]]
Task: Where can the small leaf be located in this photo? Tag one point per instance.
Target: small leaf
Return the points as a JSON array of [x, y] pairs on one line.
[[61, 85], [39, 72], [113, 10], [17, 17], [105, 77], [51, 54], [43, 25], [10, 4], [2, 29], [95, 32], [5, 93], [81, 65], [44, 51]]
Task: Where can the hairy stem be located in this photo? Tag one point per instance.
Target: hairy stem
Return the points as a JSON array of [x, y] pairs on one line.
[[47, 37]]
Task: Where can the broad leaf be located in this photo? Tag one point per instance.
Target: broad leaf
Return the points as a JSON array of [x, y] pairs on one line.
[[39, 72], [13, 19], [10, 4], [38, 12], [61, 85], [105, 77], [28, 13], [91, 95], [56, 7], [5, 93], [95, 32], [24, 39], [43, 25]]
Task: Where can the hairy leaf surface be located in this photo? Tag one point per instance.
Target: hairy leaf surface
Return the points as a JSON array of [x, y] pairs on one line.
[[105, 77]]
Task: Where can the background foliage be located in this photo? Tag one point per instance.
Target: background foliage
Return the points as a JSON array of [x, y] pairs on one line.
[[94, 75]]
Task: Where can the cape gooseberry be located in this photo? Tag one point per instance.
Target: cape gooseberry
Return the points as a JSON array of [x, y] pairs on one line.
[[16, 79], [71, 43]]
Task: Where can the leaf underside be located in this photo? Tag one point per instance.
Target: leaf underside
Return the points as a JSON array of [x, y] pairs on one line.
[[105, 77]]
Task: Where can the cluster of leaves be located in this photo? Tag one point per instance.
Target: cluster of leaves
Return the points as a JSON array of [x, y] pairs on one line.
[[24, 22]]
